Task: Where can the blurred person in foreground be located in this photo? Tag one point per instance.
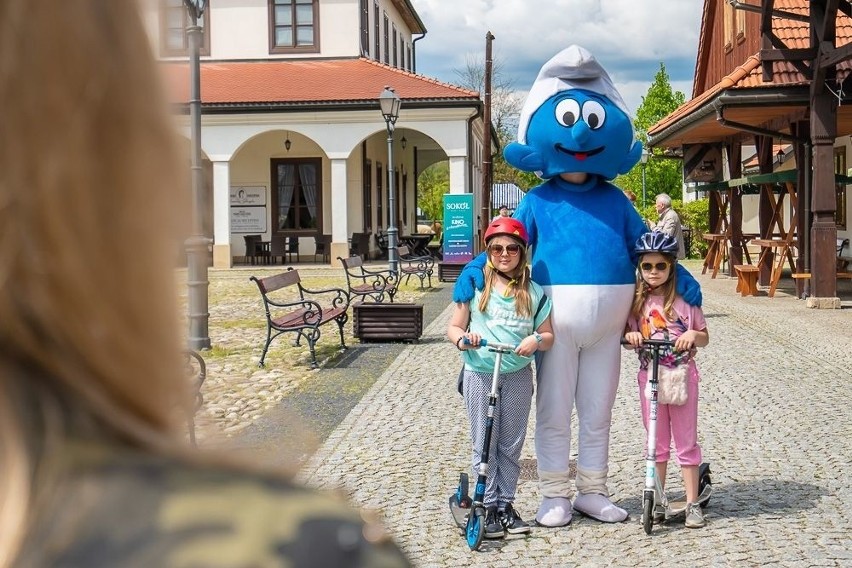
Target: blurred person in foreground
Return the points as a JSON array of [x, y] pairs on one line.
[[95, 467]]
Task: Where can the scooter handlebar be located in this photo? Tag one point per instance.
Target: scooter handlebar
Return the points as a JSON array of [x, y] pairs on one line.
[[653, 342], [492, 344]]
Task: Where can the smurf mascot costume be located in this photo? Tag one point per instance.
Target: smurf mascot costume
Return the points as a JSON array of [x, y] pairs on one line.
[[575, 132]]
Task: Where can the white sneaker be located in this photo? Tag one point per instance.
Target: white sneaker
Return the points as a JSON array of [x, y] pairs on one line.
[[694, 516]]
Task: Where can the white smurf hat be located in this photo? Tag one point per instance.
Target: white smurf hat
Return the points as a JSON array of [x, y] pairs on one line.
[[572, 68]]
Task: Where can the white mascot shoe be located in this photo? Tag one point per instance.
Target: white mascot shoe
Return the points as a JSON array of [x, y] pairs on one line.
[[599, 507], [554, 512]]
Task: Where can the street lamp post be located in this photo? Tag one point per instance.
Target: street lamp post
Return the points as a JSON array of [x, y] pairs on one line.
[[389, 102], [644, 160], [197, 243]]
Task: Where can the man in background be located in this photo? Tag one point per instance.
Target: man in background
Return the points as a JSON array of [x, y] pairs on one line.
[[669, 222], [504, 212]]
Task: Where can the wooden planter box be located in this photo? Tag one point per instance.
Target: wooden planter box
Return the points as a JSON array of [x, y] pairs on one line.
[[387, 322], [449, 272]]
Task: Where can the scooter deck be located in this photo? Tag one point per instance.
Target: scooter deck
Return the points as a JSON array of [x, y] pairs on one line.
[[678, 506], [459, 513]]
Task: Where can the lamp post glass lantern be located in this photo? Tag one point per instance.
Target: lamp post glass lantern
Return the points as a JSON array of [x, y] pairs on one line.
[[389, 103], [644, 160], [197, 244]]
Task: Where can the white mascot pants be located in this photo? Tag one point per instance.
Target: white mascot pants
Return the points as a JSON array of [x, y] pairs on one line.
[[581, 369]]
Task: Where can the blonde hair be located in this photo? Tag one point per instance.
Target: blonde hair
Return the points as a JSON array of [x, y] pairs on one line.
[[90, 197], [668, 289], [520, 287]]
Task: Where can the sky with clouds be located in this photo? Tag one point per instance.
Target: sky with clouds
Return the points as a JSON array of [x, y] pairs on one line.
[[629, 37]]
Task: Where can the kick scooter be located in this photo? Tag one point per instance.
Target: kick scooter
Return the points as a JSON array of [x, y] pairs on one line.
[[468, 513], [654, 499]]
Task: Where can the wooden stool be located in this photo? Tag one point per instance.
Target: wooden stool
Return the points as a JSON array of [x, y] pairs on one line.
[[747, 279]]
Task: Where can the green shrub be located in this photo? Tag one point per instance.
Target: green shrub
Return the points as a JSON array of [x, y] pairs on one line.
[[696, 216]]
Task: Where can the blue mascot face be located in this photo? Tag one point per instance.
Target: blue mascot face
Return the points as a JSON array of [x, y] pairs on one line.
[[581, 131]]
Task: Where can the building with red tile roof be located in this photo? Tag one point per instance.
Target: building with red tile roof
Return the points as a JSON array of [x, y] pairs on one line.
[[290, 116]]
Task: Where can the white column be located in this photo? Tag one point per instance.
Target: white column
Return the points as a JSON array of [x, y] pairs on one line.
[[458, 174], [222, 257], [339, 210]]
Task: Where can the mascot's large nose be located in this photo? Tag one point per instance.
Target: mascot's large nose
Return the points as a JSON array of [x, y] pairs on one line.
[[580, 132]]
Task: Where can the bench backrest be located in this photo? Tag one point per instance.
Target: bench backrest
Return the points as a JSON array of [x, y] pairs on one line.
[[278, 281], [351, 262]]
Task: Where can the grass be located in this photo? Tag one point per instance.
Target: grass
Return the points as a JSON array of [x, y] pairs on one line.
[[236, 390]]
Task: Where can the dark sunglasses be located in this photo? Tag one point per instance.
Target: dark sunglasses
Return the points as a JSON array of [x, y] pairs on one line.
[[660, 266], [511, 250]]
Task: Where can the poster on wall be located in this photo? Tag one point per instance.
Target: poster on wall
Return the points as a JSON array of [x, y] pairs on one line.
[[248, 220], [702, 163], [458, 228], [248, 195]]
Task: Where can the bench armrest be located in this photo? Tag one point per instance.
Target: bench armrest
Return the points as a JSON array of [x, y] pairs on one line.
[[339, 297]]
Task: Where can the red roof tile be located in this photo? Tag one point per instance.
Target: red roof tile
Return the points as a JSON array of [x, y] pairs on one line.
[[304, 81]]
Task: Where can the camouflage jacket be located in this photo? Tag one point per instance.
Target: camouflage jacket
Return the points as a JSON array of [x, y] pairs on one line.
[[114, 508]]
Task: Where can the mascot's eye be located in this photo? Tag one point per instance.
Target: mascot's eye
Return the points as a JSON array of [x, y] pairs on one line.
[[594, 114], [568, 112]]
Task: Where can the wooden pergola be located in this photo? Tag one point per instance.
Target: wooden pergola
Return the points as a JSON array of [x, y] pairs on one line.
[[807, 109]]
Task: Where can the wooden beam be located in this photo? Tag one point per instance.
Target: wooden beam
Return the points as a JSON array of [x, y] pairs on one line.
[[788, 54], [831, 56], [771, 41]]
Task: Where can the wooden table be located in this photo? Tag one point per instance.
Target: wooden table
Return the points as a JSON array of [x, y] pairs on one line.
[[781, 248], [716, 253], [418, 243]]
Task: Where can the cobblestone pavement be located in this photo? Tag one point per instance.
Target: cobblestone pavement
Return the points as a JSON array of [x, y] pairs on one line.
[[774, 424]]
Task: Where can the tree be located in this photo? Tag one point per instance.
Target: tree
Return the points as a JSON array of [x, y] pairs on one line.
[[662, 175], [432, 184], [505, 110]]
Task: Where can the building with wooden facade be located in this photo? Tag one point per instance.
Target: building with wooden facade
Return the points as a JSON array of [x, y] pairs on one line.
[[772, 75]]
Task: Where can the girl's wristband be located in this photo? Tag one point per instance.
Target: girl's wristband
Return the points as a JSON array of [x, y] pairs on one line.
[[458, 343]]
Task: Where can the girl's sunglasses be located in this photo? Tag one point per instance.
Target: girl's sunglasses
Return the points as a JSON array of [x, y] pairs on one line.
[[660, 266], [511, 250]]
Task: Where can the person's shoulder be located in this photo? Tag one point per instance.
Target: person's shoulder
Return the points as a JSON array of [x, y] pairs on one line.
[[203, 514]]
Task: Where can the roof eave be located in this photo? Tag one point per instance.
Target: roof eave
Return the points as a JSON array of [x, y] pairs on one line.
[[325, 106], [785, 96]]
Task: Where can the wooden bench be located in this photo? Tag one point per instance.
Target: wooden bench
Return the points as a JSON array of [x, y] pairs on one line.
[[303, 316], [414, 265], [363, 283], [800, 275], [747, 279]]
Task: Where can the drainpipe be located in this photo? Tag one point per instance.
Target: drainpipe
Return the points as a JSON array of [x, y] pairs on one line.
[[414, 52], [720, 118]]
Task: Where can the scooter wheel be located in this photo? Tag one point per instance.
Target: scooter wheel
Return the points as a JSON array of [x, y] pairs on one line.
[[704, 480], [647, 514], [464, 483], [475, 529]]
